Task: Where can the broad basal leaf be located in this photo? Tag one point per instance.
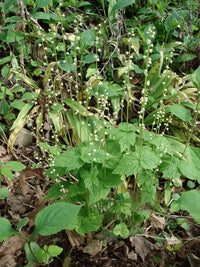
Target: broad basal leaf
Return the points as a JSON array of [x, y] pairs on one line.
[[55, 218], [67, 65], [190, 166], [87, 39], [5, 229], [190, 201], [15, 165], [179, 111]]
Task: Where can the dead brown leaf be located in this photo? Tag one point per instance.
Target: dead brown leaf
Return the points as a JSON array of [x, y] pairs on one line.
[[10, 250], [157, 222], [193, 260], [170, 241], [142, 246], [93, 247], [132, 256], [75, 239], [24, 138]]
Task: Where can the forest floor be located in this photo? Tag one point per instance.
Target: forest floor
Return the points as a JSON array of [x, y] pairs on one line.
[[26, 198]]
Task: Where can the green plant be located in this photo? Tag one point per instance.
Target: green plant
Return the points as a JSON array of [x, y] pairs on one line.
[[50, 220], [100, 93], [7, 171]]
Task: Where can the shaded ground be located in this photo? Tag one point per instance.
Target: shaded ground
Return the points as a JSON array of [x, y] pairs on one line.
[[26, 198]]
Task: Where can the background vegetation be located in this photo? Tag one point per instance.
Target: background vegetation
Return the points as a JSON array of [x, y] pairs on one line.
[[110, 92]]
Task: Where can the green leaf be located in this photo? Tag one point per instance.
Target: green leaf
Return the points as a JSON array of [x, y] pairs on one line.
[[125, 134], [186, 57], [87, 39], [137, 69], [196, 78], [70, 160], [90, 58], [18, 89], [190, 201], [86, 3], [42, 3], [6, 172], [15, 166], [133, 162], [40, 255], [96, 188], [190, 166], [108, 178], [22, 223], [179, 111], [88, 220], [169, 167], [76, 106], [122, 206], [105, 88], [5, 229], [148, 191], [5, 108], [37, 72], [122, 4], [55, 218], [10, 36], [10, 116], [21, 116], [129, 164], [41, 15], [29, 256], [121, 230], [5, 60], [147, 176], [18, 104], [54, 250], [67, 65], [4, 193], [149, 159], [5, 71], [54, 191], [30, 95]]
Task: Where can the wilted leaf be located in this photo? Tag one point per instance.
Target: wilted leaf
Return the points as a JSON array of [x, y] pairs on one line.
[[93, 247], [142, 246]]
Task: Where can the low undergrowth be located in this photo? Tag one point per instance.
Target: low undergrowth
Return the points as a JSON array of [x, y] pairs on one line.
[[109, 91]]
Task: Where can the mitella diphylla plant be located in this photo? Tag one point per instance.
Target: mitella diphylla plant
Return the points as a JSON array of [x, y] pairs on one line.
[[104, 104]]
